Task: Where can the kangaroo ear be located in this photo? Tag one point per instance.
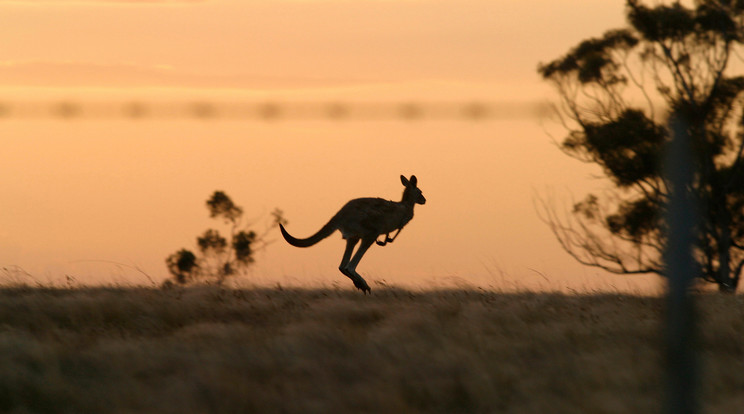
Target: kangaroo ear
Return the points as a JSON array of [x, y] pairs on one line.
[[414, 181], [404, 180]]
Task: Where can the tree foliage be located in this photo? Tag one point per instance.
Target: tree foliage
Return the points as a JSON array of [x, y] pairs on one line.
[[618, 93], [221, 257]]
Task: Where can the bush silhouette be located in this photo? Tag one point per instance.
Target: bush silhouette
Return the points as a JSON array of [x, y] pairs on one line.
[[220, 257]]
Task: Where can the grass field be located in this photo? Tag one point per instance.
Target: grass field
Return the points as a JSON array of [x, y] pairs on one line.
[[212, 350]]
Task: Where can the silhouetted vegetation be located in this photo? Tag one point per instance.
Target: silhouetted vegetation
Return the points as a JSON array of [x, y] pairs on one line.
[[208, 349], [618, 93], [220, 258]]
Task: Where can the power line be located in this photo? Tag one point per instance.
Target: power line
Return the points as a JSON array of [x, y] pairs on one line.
[[273, 111]]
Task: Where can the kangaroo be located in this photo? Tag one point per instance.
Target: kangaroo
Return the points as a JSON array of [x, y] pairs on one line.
[[365, 219]]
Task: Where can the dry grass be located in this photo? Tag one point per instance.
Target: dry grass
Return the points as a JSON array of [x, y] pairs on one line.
[[205, 350]]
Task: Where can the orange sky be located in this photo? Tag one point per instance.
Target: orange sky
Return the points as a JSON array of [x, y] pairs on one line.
[[133, 192]]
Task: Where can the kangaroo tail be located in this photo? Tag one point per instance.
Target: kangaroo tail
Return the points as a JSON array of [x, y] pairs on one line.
[[326, 231]]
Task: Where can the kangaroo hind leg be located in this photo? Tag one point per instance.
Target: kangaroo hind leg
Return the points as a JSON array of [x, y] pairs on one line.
[[350, 244], [359, 281]]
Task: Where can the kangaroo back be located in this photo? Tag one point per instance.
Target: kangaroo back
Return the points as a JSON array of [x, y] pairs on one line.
[[324, 232]]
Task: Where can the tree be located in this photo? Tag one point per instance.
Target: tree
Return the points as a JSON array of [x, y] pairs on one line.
[[618, 94], [221, 258]]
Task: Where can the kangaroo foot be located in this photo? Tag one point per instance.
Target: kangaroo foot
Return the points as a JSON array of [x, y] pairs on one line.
[[359, 282], [362, 285]]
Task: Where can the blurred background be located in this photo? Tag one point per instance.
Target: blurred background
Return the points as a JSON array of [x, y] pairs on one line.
[[119, 118]]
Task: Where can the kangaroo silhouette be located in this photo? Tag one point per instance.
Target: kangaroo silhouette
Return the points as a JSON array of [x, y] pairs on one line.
[[365, 219]]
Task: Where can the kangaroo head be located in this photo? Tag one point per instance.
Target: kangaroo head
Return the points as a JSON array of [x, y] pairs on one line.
[[412, 193]]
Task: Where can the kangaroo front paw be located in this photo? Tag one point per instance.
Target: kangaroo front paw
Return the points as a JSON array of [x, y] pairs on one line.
[[384, 242]]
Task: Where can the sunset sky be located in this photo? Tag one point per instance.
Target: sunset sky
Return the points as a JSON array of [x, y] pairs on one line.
[[93, 198]]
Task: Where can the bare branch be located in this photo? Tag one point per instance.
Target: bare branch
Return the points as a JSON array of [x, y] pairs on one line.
[[577, 238]]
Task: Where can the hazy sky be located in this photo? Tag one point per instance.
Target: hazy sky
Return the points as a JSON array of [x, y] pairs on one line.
[[248, 42], [74, 193]]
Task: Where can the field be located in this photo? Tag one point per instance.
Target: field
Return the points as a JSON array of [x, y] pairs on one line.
[[213, 350]]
